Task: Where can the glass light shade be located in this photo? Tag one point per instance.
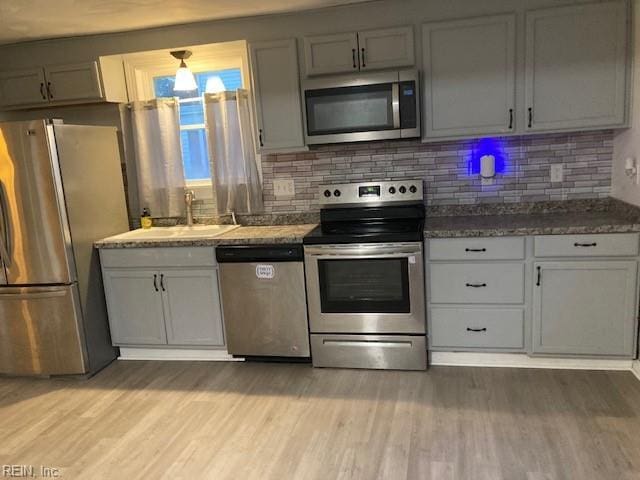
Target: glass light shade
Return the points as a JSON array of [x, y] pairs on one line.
[[214, 85], [185, 81]]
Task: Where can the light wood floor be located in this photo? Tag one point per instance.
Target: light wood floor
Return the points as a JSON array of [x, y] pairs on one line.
[[267, 421]]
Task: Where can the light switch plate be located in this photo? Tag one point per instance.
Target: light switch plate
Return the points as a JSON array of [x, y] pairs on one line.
[[284, 187], [557, 172]]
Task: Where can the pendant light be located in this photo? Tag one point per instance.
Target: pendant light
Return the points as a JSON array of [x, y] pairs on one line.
[[185, 81]]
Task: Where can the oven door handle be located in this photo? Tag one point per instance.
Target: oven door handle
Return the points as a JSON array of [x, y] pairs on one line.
[[362, 251], [343, 256]]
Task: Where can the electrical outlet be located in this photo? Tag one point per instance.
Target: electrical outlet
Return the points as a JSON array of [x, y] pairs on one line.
[[284, 187], [557, 172]]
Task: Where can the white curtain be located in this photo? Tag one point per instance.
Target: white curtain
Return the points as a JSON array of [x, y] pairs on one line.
[[236, 180], [155, 129]]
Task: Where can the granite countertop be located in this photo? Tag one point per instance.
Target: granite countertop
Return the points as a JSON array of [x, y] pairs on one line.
[[555, 223], [249, 235]]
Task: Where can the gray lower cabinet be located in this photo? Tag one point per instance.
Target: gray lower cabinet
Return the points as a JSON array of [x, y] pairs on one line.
[[192, 307], [163, 297], [135, 307], [584, 307]]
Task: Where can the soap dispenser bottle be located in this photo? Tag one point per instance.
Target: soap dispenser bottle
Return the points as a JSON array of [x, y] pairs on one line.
[[145, 218]]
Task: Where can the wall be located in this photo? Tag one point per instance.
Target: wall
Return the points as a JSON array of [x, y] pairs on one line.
[[627, 142], [444, 167], [587, 156]]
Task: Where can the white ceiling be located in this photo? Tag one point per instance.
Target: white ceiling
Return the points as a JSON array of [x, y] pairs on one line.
[[23, 20]]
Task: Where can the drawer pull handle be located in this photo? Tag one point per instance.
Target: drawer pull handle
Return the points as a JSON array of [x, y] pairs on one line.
[[475, 249], [155, 282], [476, 285], [469, 329], [594, 244], [539, 270]]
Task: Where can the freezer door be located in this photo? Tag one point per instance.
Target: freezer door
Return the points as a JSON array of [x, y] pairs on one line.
[[35, 243], [40, 331]]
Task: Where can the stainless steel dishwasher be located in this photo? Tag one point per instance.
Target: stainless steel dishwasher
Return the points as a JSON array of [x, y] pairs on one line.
[[264, 300]]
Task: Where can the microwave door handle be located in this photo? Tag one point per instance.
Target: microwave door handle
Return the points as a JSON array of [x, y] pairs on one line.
[[395, 104]]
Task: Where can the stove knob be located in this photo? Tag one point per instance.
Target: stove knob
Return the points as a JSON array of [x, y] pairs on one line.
[[413, 189], [392, 190], [327, 193], [336, 193], [402, 189]]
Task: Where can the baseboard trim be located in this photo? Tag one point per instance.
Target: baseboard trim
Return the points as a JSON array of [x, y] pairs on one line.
[[181, 354], [521, 360], [635, 368]]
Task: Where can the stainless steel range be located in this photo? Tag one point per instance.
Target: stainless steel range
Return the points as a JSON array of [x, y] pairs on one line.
[[365, 277]]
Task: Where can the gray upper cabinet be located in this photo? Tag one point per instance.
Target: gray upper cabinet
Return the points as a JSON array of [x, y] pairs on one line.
[[275, 77], [469, 76], [584, 308], [77, 81], [386, 48], [336, 53], [355, 51], [135, 307], [101, 80], [23, 87], [192, 307], [576, 71]]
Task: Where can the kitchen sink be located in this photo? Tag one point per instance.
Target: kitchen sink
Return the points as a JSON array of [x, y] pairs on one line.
[[177, 232]]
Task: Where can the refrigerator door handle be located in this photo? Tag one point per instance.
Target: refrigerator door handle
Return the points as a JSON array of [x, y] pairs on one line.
[[33, 292], [5, 246]]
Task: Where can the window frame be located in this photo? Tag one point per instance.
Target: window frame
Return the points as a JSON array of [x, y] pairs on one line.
[[141, 68]]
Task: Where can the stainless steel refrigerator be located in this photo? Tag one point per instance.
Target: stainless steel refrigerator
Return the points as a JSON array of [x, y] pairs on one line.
[[61, 189]]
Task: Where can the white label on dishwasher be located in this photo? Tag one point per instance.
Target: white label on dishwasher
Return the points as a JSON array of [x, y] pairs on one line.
[[265, 271], [412, 259]]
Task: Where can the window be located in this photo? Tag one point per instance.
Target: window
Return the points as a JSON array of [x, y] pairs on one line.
[[195, 155]]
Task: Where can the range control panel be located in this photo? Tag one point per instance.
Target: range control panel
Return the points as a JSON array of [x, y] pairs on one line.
[[374, 193]]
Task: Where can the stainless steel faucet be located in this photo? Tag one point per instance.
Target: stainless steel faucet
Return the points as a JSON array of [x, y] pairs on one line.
[[189, 197]]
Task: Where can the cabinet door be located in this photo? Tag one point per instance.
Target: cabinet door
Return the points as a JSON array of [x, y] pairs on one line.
[[78, 81], [331, 53], [469, 76], [584, 308], [274, 68], [134, 303], [192, 307], [386, 48], [22, 87], [576, 66]]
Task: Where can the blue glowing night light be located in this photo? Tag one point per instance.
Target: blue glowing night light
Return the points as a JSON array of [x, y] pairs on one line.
[[488, 146]]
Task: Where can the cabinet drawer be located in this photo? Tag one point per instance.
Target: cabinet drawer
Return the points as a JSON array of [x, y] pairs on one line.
[[511, 248], [477, 282], [600, 245], [477, 328], [158, 257]]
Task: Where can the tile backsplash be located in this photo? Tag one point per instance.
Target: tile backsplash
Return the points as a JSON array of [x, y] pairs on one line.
[[445, 168]]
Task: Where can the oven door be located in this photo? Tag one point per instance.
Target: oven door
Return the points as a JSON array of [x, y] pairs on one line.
[[366, 288]]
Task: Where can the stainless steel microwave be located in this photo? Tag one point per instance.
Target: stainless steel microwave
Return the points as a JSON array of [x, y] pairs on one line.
[[353, 108]]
